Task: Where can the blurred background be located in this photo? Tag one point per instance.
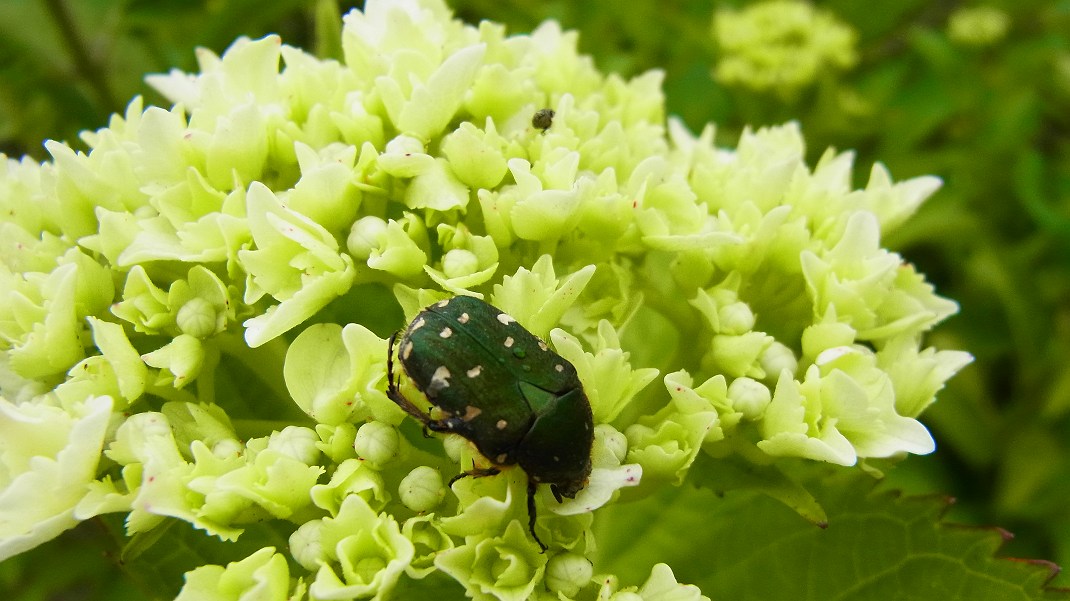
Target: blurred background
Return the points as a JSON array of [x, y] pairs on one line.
[[977, 93]]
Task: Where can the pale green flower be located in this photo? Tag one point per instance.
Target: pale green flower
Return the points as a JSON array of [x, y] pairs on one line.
[[428, 540], [263, 575], [660, 586], [360, 554], [506, 567], [780, 46], [296, 261], [48, 458]]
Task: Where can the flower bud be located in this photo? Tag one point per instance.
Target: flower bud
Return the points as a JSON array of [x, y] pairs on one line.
[[296, 442], [365, 237], [459, 262], [749, 397], [227, 448], [405, 156], [377, 443], [422, 490], [613, 440], [777, 358], [567, 573], [197, 318], [735, 318], [456, 447], [306, 545]]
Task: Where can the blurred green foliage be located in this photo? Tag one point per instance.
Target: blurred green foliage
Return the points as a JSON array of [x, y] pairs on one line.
[[992, 119]]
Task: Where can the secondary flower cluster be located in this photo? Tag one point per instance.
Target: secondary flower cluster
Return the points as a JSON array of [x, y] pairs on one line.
[[978, 25], [780, 46], [195, 313]]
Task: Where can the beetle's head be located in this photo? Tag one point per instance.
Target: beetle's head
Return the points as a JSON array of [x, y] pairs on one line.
[[567, 489]]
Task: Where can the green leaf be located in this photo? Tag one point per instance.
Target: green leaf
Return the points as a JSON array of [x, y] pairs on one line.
[[878, 545]]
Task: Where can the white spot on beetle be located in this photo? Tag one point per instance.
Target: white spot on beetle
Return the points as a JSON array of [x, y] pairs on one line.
[[442, 303], [439, 380], [470, 413], [559, 368], [445, 333], [542, 346], [416, 325], [501, 424], [474, 371], [506, 319], [463, 318], [500, 458], [556, 458], [509, 342], [406, 351]]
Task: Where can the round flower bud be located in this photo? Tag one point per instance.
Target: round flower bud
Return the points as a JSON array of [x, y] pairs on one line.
[[405, 156], [456, 447], [197, 317], [459, 262], [749, 397], [776, 359], [306, 545], [377, 443], [421, 490], [613, 440], [296, 442], [567, 573], [735, 318], [227, 448], [365, 237]]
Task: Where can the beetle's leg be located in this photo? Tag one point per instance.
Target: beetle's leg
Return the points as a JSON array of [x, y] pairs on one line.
[[475, 472], [532, 487], [557, 492]]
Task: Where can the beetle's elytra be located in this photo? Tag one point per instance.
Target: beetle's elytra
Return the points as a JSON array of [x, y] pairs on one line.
[[502, 388]]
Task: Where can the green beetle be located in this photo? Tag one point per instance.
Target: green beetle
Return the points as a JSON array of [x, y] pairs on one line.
[[503, 389]]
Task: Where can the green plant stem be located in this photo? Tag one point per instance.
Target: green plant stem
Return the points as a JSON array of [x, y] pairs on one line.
[[91, 71]]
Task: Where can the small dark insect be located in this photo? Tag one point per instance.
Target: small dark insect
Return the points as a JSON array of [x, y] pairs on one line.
[[503, 389], [543, 119]]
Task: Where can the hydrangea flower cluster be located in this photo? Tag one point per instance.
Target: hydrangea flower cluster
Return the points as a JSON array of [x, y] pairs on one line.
[[978, 25], [195, 312], [780, 46]]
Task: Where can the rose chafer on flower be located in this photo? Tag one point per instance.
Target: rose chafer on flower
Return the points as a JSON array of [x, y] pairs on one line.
[[195, 311]]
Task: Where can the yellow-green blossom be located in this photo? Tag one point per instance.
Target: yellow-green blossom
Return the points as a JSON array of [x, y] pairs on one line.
[[780, 46], [978, 25], [49, 457]]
